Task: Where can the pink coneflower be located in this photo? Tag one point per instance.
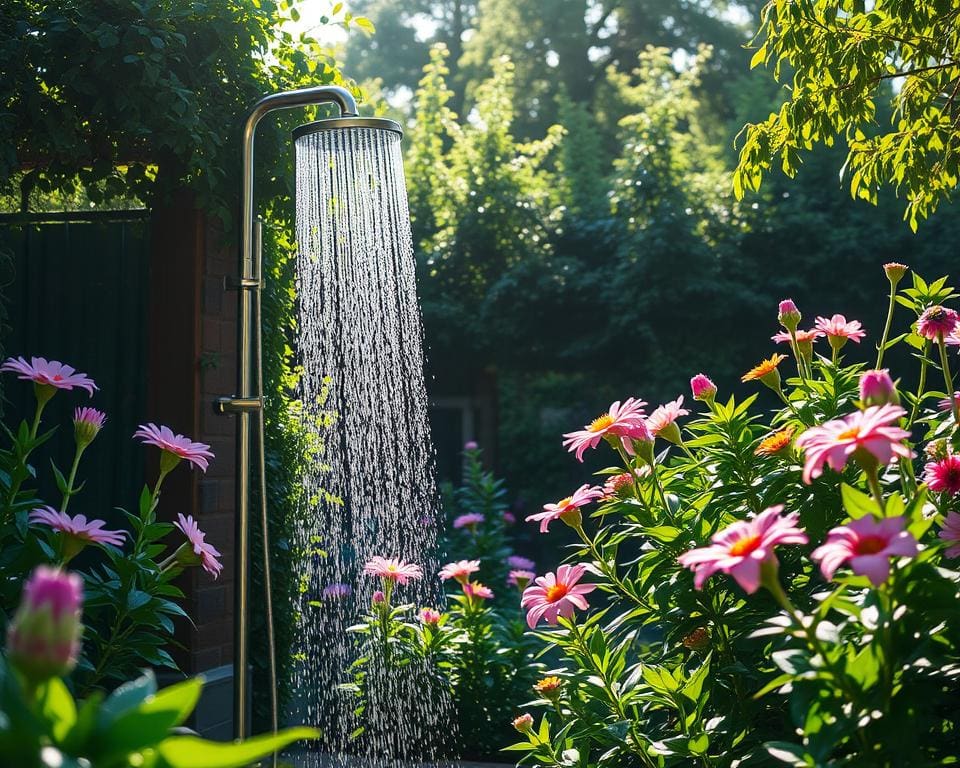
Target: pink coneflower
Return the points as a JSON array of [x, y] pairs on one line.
[[556, 594], [877, 388], [391, 569], [861, 435], [336, 591], [567, 509], [937, 322], [51, 373], [177, 446], [623, 421], [943, 476], [662, 422], [77, 528], [430, 616], [87, 423], [838, 330], [459, 570], [470, 520], [946, 404], [703, 388], [867, 544], [788, 315], [950, 532], [203, 552], [520, 578], [474, 589], [523, 563], [803, 337], [742, 548]]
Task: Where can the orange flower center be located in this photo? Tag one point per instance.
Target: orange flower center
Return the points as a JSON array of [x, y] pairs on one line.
[[745, 546], [564, 503], [870, 545], [556, 592], [600, 423], [849, 434]]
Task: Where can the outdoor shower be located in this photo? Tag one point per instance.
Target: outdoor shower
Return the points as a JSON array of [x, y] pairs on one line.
[[342, 135]]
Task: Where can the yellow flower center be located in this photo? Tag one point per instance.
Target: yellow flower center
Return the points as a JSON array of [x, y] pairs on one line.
[[849, 434], [564, 503], [600, 423], [745, 546], [556, 592]]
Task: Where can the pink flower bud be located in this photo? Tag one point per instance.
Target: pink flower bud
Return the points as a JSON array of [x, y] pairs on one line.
[[895, 272], [524, 723], [877, 388], [788, 315], [429, 616], [44, 638], [379, 597], [470, 445], [703, 388], [87, 423]]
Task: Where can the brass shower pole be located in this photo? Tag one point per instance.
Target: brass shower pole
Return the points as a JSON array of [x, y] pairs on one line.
[[248, 399]]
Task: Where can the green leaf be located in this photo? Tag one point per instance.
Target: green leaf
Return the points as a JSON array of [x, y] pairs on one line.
[[193, 752], [58, 708], [857, 503], [125, 698], [151, 722]]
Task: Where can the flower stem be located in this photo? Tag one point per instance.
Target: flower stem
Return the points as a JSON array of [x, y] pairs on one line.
[[948, 379], [922, 384], [636, 478], [873, 480], [886, 327], [68, 492]]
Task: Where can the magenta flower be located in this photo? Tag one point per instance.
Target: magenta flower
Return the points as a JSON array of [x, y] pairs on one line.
[[556, 594], [662, 422], [470, 445], [379, 598], [459, 570], [623, 421], [509, 518], [702, 388], [863, 434], [877, 388], [943, 476], [838, 330], [87, 423], [788, 315], [77, 531], [937, 322], [950, 532], [520, 578], [430, 616], [867, 544], [49, 374], [744, 547], [336, 591], [946, 404], [200, 551], [523, 563], [392, 569], [43, 639], [176, 446], [477, 590], [567, 509], [470, 520]]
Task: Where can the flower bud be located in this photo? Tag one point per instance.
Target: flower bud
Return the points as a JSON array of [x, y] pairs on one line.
[[87, 423], [44, 637], [524, 723], [895, 272], [470, 445], [379, 598], [789, 316], [703, 388], [877, 388], [429, 616]]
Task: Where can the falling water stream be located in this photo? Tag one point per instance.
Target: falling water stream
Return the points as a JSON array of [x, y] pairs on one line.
[[370, 489]]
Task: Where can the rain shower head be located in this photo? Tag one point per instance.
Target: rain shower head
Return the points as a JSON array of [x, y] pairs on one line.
[[338, 123]]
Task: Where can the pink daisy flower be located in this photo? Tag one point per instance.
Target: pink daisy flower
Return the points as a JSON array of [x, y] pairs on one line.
[[556, 594], [703, 388], [743, 547], [337, 591], [51, 373], [872, 431], [662, 422], [459, 570], [937, 322], [623, 421], [568, 506], [803, 337], [77, 528], [838, 330], [522, 563], [867, 544], [946, 404], [943, 476], [430, 616], [176, 445], [391, 569], [470, 520], [950, 532], [520, 578], [206, 554], [477, 590]]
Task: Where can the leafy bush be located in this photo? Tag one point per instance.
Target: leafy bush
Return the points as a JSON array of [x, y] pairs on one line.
[[132, 601], [840, 648]]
